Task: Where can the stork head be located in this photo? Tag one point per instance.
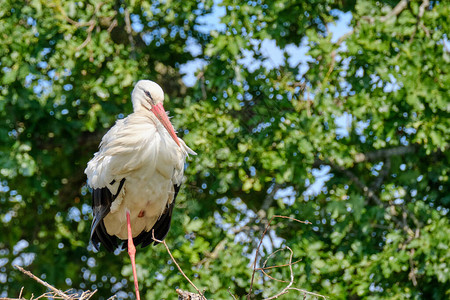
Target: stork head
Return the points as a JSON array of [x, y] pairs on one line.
[[146, 93], [149, 95]]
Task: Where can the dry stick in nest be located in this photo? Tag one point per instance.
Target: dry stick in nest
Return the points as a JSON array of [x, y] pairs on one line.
[[180, 292], [55, 293], [288, 287]]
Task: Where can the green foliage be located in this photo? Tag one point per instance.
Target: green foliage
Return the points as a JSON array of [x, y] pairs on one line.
[[380, 223]]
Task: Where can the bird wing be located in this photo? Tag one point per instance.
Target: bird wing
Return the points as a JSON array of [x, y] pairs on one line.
[[120, 153], [102, 199], [130, 144]]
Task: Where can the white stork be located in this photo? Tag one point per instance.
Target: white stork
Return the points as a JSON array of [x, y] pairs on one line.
[[136, 175]]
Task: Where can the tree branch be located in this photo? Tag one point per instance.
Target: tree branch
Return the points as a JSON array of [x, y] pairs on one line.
[[201, 297], [393, 13], [422, 8], [184, 295], [384, 153], [129, 31], [285, 290], [259, 245], [383, 173], [268, 200], [396, 11], [372, 195], [50, 287]]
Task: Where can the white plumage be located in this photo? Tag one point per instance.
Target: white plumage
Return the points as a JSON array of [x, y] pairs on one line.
[[141, 150], [136, 175]]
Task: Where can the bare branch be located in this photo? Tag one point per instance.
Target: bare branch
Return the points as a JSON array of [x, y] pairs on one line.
[[285, 290], [129, 31], [290, 218], [112, 26], [396, 11], [256, 258], [278, 266], [393, 13], [92, 23], [178, 266], [383, 173], [231, 294], [214, 254], [422, 8], [50, 287], [268, 200], [383, 153], [184, 295], [88, 39], [371, 195], [259, 245], [412, 272], [265, 273], [201, 79], [20, 295], [308, 293]]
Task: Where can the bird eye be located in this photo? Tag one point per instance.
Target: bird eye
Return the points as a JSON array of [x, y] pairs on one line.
[[147, 93]]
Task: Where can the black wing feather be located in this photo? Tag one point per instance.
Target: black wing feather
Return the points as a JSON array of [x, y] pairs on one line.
[[102, 199], [161, 227]]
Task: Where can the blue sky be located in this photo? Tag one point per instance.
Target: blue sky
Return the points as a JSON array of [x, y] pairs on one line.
[[272, 55]]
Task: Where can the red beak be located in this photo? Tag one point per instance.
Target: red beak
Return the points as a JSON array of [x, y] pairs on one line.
[[160, 113]]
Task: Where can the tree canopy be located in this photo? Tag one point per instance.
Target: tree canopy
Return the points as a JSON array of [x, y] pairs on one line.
[[363, 116]]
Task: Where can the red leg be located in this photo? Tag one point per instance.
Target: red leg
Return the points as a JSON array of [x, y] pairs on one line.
[[132, 253]]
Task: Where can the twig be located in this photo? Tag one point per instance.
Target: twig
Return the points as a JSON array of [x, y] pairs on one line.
[[266, 268], [214, 254], [308, 293], [86, 295], [285, 290], [268, 200], [88, 39], [129, 32], [289, 286], [382, 175], [412, 272], [422, 7], [55, 290], [231, 294], [91, 23], [185, 295], [293, 219], [113, 24], [331, 68], [279, 280], [256, 258], [278, 266], [259, 245], [394, 12], [201, 79], [178, 266]]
